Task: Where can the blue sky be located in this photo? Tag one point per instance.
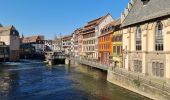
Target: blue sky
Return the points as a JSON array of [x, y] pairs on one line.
[[50, 17]]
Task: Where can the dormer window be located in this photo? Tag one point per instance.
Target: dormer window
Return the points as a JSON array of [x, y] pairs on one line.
[[145, 2]]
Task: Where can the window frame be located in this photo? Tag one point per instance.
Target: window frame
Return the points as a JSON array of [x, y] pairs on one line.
[[138, 39], [159, 37]]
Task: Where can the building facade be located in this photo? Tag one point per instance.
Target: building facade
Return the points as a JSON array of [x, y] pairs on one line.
[[104, 43], [80, 42], [146, 34], [48, 45], [57, 44], [10, 36], [66, 44], [4, 52], [37, 41], [91, 31], [116, 51]]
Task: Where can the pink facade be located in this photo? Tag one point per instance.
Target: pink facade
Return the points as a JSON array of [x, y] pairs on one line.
[[80, 43]]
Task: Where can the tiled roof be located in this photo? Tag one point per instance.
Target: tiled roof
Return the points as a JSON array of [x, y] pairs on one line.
[[96, 21], [67, 37], [140, 13], [6, 28], [114, 24], [31, 39]]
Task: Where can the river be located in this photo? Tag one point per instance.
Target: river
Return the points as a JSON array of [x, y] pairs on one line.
[[33, 80]]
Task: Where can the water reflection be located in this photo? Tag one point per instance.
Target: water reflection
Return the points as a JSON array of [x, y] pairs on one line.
[[32, 80]]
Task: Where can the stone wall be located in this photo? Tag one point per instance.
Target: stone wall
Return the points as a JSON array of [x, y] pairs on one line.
[[138, 85]]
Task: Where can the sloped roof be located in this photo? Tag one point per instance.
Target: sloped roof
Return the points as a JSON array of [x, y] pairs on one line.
[[113, 23], [6, 28], [30, 39], [96, 21], [67, 37], [140, 13]]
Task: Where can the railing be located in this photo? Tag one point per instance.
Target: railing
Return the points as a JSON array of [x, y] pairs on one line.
[[56, 57], [91, 63], [143, 79]]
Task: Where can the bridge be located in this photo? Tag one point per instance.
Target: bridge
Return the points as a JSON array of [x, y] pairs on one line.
[[93, 64], [53, 58]]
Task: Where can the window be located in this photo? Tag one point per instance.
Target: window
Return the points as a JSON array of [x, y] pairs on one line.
[[138, 39], [114, 49], [118, 50], [137, 66], [159, 37], [158, 69], [145, 2]]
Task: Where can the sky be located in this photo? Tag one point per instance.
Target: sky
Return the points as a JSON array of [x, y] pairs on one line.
[[53, 17]]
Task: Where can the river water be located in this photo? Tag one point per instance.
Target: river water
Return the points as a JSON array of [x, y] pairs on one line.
[[33, 80]]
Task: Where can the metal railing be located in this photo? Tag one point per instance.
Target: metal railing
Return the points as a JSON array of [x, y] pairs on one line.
[[90, 63]]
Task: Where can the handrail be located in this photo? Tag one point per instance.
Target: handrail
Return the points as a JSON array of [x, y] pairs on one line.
[[91, 63]]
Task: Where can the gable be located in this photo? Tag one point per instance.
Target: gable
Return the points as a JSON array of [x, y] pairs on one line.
[[108, 19], [140, 12]]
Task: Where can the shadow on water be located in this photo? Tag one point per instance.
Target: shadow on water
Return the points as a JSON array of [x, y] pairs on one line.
[[32, 80]]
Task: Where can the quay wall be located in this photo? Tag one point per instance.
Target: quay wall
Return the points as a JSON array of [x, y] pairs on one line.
[[139, 85]]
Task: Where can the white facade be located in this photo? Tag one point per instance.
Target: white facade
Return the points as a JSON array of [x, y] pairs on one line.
[[148, 55], [66, 44]]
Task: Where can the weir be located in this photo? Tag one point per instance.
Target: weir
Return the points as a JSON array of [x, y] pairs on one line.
[[53, 58]]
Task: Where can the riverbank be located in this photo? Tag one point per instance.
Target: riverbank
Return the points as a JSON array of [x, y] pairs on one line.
[[141, 84]]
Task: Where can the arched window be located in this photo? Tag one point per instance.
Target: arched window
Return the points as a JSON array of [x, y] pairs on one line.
[[138, 39], [159, 37]]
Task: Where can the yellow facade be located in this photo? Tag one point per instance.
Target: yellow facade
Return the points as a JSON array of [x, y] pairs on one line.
[[116, 52]]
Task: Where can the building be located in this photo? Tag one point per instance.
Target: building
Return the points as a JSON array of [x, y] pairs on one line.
[[146, 37], [4, 52], [74, 43], [10, 36], [91, 31], [27, 51], [36, 41], [48, 45], [110, 44], [80, 42], [105, 41], [66, 44], [57, 44], [116, 51]]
